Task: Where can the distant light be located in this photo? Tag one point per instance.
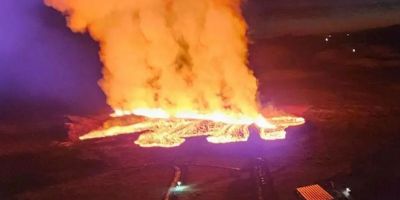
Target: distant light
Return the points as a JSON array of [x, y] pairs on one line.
[[354, 50], [180, 188], [348, 34], [329, 36], [326, 39], [346, 192], [179, 183]]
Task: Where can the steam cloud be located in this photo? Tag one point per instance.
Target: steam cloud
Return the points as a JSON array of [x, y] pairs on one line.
[[186, 55]]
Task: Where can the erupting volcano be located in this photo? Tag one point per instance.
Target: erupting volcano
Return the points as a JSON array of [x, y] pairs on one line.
[[174, 69]]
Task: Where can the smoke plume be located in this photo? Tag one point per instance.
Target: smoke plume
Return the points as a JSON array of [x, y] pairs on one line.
[[178, 55]]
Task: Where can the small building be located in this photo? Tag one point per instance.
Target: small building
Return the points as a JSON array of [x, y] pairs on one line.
[[314, 192]]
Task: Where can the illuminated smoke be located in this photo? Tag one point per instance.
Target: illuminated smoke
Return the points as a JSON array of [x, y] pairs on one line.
[[178, 55]]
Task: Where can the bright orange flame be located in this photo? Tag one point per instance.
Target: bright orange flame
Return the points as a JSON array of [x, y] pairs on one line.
[[182, 56], [215, 116]]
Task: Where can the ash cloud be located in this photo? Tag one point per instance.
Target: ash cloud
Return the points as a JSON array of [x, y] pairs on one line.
[[176, 55]]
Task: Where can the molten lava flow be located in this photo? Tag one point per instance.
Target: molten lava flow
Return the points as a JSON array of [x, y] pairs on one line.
[[181, 64], [172, 131]]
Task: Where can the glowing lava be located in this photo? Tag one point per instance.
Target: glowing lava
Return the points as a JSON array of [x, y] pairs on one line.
[[159, 129]]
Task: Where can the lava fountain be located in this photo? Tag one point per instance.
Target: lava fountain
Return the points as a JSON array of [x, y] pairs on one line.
[[174, 69]]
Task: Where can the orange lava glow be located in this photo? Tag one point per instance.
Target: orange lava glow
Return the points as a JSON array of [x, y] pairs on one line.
[[160, 129]]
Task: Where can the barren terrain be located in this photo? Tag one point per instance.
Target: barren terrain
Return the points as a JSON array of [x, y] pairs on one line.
[[349, 99]]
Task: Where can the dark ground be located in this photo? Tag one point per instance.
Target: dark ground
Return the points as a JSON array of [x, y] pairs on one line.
[[351, 102]]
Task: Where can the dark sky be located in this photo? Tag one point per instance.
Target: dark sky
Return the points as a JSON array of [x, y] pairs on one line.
[[276, 17], [41, 59]]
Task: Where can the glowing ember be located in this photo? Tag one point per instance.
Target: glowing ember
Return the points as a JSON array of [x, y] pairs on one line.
[[162, 131]]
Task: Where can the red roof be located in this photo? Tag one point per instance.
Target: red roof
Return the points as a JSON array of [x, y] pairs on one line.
[[314, 192]]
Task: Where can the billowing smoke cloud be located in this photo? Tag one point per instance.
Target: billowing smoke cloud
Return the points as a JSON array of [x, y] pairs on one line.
[[171, 54]]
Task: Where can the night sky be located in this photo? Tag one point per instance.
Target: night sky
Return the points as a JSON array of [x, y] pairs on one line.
[[277, 17], [41, 59]]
